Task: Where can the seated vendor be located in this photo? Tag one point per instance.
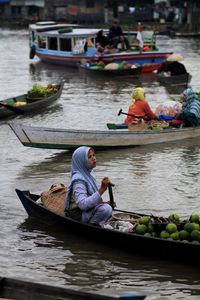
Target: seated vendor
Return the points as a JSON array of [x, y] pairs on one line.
[[139, 107]]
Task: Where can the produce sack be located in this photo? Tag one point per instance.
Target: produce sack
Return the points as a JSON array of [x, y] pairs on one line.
[[169, 108], [111, 66]]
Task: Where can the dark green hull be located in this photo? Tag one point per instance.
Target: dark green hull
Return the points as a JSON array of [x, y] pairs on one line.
[[28, 107]]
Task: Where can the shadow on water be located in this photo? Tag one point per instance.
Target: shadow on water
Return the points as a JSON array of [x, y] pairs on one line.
[[113, 268], [58, 162]]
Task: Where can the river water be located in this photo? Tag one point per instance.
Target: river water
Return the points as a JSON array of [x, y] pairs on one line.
[[158, 179]]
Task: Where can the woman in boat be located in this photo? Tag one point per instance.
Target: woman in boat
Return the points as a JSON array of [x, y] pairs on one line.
[[139, 107], [84, 199], [101, 39], [190, 109]]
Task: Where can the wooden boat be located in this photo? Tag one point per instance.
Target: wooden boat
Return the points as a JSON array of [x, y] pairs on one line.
[[113, 236], [23, 105], [117, 126], [175, 80], [67, 45], [108, 72], [187, 34], [11, 288], [54, 138]]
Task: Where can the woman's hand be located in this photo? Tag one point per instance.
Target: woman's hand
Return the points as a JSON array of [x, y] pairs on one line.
[[104, 185], [113, 204]]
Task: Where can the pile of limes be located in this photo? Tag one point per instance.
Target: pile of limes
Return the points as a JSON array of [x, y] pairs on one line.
[[185, 231]]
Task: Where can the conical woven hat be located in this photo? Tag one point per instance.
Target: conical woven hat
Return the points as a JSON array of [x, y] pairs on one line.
[[175, 57]]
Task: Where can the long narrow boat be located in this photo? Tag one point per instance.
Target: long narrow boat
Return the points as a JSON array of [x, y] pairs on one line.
[[132, 241], [54, 138], [67, 45], [22, 104], [175, 80], [17, 289], [109, 72]]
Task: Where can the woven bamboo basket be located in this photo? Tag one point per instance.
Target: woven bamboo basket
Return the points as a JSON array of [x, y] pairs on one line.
[[54, 198]]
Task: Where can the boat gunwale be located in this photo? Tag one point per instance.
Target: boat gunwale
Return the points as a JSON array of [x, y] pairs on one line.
[[106, 132]]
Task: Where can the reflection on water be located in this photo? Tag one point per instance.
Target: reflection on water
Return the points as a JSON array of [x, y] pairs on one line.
[[158, 178], [110, 272]]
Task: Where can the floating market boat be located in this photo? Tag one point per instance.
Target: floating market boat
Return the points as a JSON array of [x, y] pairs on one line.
[[123, 231], [55, 138], [175, 80], [97, 69], [67, 45], [28, 103], [11, 288]]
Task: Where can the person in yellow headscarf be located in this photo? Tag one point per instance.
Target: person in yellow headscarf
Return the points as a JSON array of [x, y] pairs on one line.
[[139, 107]]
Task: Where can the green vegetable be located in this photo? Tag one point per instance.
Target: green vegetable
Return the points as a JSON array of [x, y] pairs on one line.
[[39, 91]]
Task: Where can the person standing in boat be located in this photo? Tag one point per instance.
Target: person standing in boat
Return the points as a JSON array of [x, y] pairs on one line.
[[139, 107], [190, 114], [84, 199], [116, 36]]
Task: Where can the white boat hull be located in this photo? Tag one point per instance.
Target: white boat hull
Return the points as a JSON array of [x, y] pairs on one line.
[[53, 138]]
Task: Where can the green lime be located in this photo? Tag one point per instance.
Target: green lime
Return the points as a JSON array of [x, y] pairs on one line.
[[195, 235], [184, 235], [164, 234], [148, 234], [171, 227], [150, 227], [144, 220], [196, 225], [174, 217], [189, 227], [141, 229], [194, 218], [175, 235]]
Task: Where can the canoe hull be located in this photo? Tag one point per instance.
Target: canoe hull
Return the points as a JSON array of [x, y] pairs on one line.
[[22, 290], [131, 242], [53, 138], [31, 106], [124, 72], [183, 79]]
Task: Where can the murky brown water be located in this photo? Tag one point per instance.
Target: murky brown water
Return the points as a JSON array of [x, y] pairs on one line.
[[160, 179]]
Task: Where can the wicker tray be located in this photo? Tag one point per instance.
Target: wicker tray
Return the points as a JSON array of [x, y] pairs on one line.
[[132, 218]]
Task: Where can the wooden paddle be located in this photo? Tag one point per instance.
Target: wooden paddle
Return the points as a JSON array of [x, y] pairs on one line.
[[12, 108], [131, 115], [112, 202]]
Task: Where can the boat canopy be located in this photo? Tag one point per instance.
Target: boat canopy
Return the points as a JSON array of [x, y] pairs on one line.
[[75, 32]]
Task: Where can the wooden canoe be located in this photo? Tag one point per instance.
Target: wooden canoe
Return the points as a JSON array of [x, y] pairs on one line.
[[105, 72], [183, 79], [130, 241], [21, 104], [55, 138], [16, 289]]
